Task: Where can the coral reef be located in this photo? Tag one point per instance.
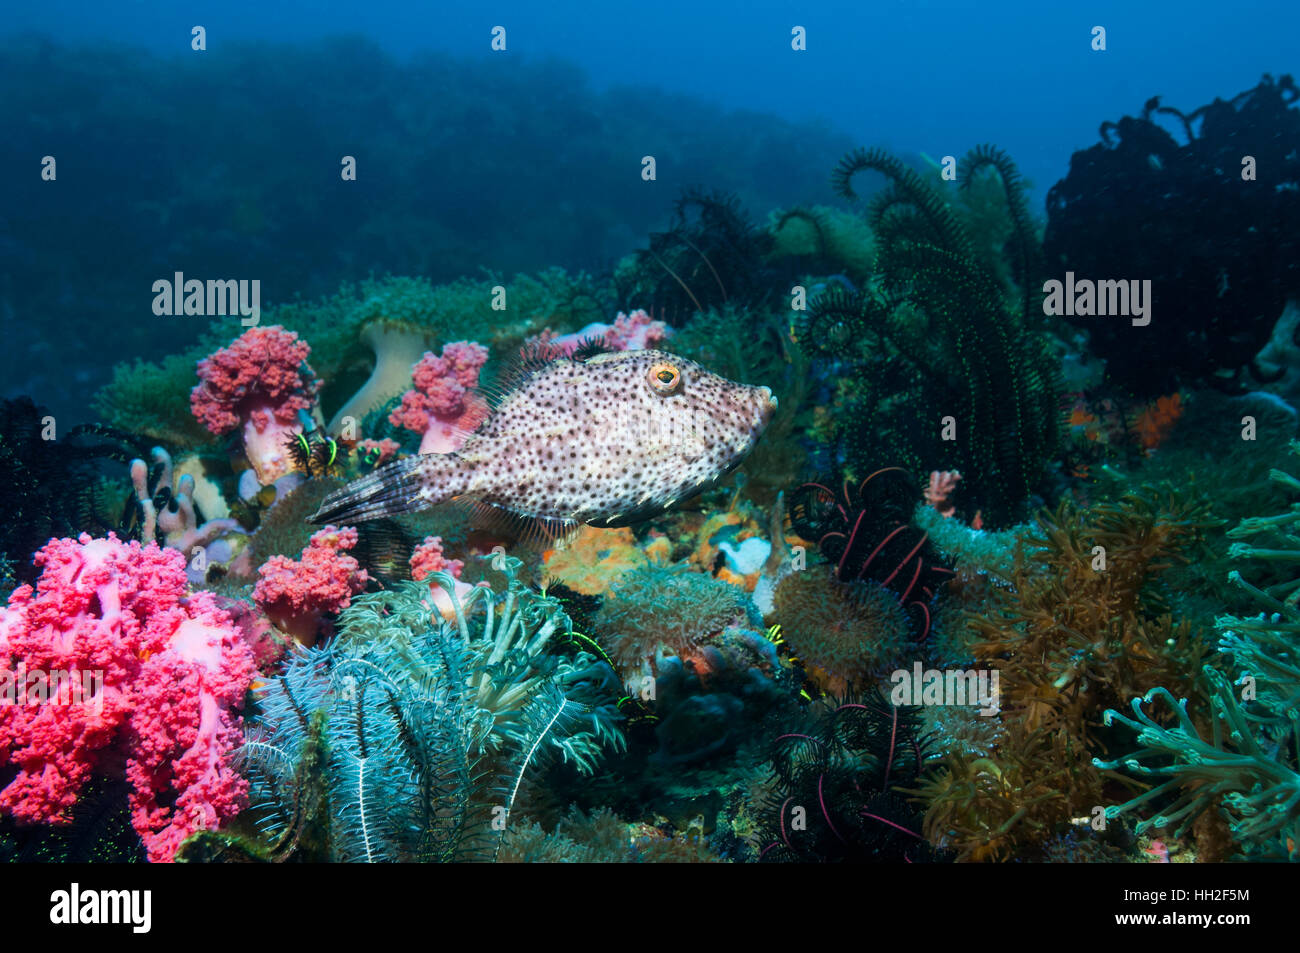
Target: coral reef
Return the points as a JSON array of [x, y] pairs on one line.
[[976, 488]]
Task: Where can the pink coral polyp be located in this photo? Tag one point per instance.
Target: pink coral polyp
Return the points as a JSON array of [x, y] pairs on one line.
[[166, 673]]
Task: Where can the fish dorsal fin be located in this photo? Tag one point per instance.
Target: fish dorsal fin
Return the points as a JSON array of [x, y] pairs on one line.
[[537, 356], [540, 531], [589, 347], [515, 374]]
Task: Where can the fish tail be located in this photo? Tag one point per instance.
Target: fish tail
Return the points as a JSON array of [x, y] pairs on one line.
[[403, 486]]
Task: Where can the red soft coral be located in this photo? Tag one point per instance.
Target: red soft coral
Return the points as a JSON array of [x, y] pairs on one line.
[[428, 558], [443, 406], [163, 673], [258, 384], [205, 663], [297, 594]]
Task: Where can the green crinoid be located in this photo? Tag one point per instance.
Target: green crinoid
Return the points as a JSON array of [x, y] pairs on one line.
[[408, 737], [939, 334]]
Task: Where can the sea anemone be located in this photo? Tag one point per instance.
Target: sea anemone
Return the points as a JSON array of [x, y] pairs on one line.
[[846, 633], [658, 611]]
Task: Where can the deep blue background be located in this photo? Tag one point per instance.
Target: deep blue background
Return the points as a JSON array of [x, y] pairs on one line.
[[933, 76]]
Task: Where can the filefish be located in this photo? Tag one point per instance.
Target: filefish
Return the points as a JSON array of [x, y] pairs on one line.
[[605, 439]]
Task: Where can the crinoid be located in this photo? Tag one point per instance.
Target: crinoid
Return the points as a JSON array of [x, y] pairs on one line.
[[314, 452], [838, 786], [711, 254], [866, 533], [408, 737], [1221, 258], [939, 363], [51, 482]]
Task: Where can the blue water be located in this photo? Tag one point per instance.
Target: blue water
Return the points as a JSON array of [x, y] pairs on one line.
[[914, 75]]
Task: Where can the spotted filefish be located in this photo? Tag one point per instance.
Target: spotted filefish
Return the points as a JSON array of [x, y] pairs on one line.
[[604, 439]]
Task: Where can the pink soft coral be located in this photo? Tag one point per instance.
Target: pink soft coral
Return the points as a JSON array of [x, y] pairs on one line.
[[629, 332], [443, 406], [297, 594], [428, 558], [257, 384], [941, 486], [165, 671]]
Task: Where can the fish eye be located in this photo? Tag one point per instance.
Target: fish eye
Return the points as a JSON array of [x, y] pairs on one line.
[[665, 378]]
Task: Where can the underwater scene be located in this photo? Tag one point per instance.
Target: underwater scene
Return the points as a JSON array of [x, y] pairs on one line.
[[759, 433]]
